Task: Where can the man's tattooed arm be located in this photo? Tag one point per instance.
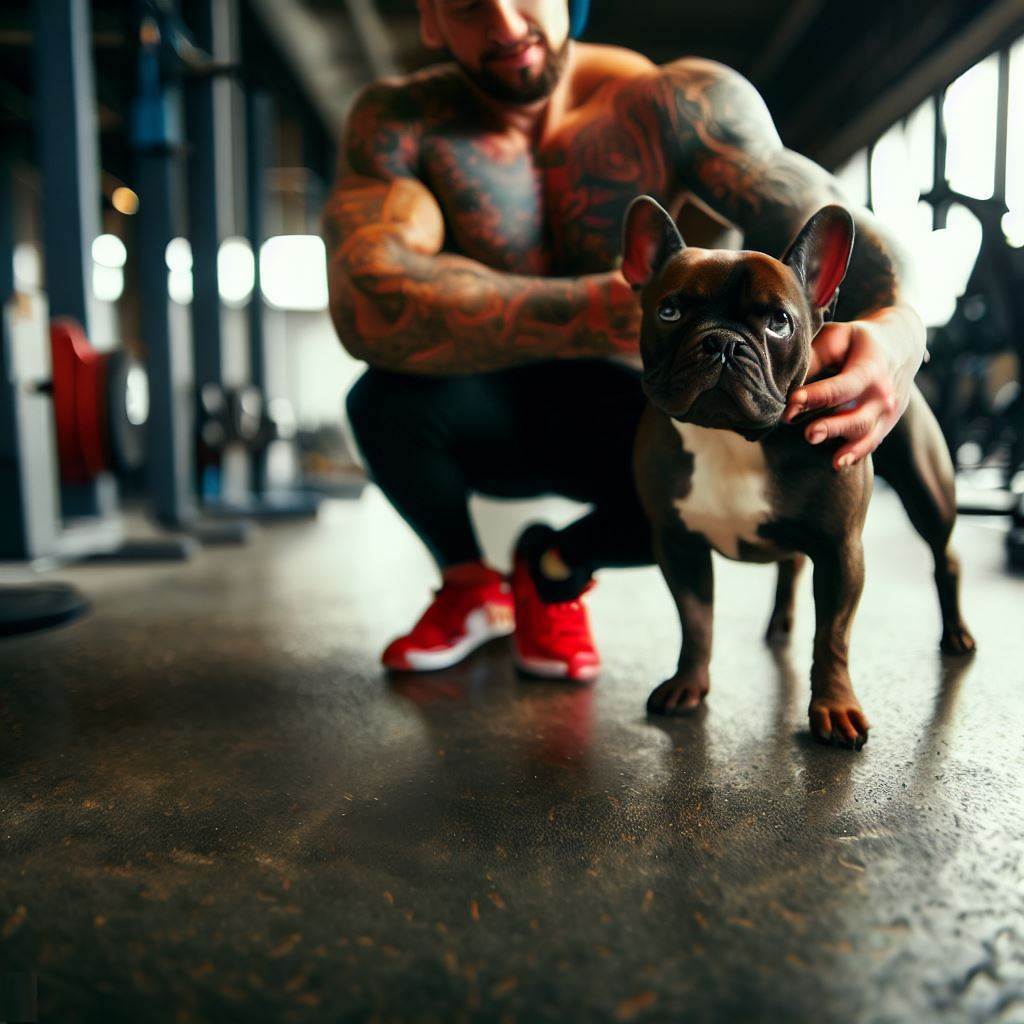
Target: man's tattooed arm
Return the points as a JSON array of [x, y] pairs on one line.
[[721, 145], [400, 303]]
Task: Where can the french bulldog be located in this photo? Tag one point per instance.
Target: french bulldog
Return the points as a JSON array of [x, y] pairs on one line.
[[725, 337]]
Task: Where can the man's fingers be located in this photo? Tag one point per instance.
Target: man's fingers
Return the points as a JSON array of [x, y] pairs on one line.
[[852, 425], [829, 348], [853, 452], [851, 385]]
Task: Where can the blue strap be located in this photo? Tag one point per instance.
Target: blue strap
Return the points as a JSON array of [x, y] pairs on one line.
[[579, 11]]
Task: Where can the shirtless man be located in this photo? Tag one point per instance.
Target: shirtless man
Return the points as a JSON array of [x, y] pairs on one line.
[[473, 242]]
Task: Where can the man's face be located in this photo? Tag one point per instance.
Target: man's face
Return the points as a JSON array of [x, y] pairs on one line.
[[514, 50]]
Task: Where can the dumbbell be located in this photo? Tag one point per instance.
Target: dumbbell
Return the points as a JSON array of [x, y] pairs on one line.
[[228, 415]]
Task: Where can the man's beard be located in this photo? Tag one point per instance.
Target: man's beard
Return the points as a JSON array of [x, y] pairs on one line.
[[530, 86]]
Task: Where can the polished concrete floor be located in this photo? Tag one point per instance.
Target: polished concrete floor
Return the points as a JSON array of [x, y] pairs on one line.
[[214, 807]]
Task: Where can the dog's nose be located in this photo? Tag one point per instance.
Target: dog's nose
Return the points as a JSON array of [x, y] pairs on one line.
[[720, 345]]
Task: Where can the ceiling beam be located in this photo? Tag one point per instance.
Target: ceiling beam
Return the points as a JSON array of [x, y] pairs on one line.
[[998, 25], [792, 28]]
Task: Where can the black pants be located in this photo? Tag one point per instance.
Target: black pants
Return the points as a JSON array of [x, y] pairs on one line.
[[564, 427]]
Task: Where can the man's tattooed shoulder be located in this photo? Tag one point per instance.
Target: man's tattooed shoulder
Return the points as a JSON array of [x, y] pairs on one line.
[[389, 118]]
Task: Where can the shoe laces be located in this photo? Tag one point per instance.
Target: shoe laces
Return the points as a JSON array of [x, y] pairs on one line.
[[566, 619]]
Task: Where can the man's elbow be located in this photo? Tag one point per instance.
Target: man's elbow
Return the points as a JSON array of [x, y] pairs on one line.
[[353, 341]]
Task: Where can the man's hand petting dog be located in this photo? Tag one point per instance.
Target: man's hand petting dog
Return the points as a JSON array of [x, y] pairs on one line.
[[873, 363]]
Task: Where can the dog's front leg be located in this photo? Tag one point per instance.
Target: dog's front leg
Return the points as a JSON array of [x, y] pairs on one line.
[[685, 561], [835, 713]]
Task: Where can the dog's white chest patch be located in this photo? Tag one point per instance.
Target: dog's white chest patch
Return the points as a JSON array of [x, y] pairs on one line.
[[728, 496]]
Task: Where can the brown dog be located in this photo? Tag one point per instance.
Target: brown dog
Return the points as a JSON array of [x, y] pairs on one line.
[[726, 337]]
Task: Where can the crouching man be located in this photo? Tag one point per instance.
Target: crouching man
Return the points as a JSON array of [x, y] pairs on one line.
[[473, 242]]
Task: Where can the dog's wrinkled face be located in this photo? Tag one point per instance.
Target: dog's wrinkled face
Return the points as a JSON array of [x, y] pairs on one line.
[[726, 335]]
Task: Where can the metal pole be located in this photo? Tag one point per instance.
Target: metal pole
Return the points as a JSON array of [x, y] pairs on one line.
[[158, 139], [258, 124], [66, 126]]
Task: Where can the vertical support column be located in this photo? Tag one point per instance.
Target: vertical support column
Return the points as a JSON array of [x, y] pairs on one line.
[[68, 148], [158, 139], [216, 209], [940, 210], [29, 497], [259, 114], [210, 178], [68, 153], [1002, 125]]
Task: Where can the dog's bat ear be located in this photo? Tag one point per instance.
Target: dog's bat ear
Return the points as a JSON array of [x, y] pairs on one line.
[[649, 238], [820, 254]]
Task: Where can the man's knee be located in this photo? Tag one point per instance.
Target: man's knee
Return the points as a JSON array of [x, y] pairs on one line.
[[385, 407], [359, 403]]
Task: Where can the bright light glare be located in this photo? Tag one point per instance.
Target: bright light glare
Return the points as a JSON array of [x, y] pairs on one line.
[[107, 283], [178, 255], [969, 114], [136, 396], [293, 272], [920, 136], [236, 271], [945, 259], [109, 251], [179, 286], [1013, 228], [894, 192], [27, 267], [124, 200], [853, 178]]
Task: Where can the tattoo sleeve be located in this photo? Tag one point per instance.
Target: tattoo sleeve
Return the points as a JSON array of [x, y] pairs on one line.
[[724, 148], [400, 303]]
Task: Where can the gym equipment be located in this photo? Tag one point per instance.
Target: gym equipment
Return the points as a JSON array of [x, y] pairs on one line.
[[100, 406], [983, 429], [35, 606]]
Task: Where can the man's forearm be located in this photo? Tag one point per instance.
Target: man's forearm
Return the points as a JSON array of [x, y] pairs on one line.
[[407, 311]]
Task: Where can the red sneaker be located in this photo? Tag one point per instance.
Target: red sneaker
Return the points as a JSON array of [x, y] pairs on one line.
[[551, 640], [462, 616]]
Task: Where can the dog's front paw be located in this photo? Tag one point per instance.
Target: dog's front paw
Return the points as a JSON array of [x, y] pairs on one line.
[[957, 640], [680, 695], [839, 721]]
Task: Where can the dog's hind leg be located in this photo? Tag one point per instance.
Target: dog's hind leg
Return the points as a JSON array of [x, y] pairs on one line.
[[914, 460], [780, 625]]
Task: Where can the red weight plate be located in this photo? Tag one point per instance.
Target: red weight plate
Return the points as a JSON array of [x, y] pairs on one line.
[[65, 364], [91, 410], [80, 402]]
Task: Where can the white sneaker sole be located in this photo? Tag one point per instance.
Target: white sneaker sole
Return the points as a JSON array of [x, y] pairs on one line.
[[548, 668], [480, 628]]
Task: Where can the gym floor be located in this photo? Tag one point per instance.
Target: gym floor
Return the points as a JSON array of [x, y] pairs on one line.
[[214, 807]]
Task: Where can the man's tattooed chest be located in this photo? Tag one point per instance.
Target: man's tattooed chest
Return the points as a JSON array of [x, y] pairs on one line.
[[555, 211]]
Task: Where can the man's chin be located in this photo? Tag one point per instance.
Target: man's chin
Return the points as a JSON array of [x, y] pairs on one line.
[[525, 88]]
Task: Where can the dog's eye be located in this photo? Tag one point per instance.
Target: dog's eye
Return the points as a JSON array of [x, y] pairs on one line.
[[669, 312], [780, 323]]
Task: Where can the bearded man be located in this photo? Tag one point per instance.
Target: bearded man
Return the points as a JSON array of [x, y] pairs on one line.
[[473, 242]]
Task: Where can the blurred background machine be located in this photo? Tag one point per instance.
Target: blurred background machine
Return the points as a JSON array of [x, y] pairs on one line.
[[167, 357]]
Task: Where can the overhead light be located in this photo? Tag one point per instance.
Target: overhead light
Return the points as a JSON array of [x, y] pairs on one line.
[[293, 272], [236, 271], [109, 251], [125, 200], [107, 283], [178, 254]]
